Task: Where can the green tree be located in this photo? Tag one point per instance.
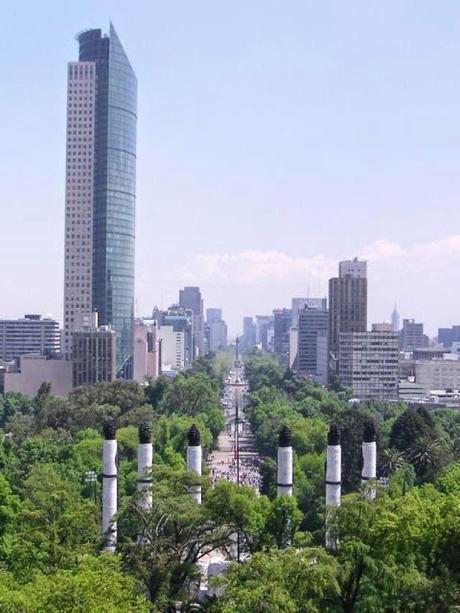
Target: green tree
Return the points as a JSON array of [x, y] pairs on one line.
[[290, 580], [94, 584]]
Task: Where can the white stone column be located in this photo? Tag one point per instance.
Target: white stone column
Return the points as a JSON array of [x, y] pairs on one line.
[[333, 480], [144, 467], [194, 460], [369, 448], [284, 473], [109, 486]]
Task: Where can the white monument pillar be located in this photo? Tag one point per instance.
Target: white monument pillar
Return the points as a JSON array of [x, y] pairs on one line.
[[194, 455], [109, 485], [284, 475], [144, 467], [333, 479], [369, 472]]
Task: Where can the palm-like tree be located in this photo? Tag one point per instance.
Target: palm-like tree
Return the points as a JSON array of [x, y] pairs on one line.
[[425, 454], [391, 460]]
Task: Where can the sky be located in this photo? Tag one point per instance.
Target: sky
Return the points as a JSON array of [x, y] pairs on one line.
[[274, 139]]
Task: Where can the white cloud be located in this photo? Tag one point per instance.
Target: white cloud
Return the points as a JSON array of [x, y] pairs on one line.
[[252, 266]]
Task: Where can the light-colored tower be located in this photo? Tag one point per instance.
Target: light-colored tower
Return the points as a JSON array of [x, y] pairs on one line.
[[194, 455], [144, 467], [333, 480], [100, 191], [369, 471], [109, 485], [284, 476], [78, 270]]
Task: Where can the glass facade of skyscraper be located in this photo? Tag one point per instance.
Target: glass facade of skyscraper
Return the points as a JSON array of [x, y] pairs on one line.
[[114, 187]]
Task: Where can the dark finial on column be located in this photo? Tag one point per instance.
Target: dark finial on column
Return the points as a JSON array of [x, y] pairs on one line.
[[109, 429], [369, 432], [285, 437], [333, 437], [194, 436], [145, 433]]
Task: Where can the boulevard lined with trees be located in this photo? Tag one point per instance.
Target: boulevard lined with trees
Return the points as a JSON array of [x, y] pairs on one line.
[[398, 553]]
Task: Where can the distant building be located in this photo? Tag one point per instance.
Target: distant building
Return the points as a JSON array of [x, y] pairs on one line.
[[347, 301], [411, 336], [94, 355], [264, 331], [217, 335], [31, 335], [190, 299], [300, 303], [368, 363], [282, 319], [395, 320], [438, 374], [248, 340], [213, 315], [33, 370], [171, 348], [313, 325], [448, 336], [215, 330], [293, 348], [145, 353]]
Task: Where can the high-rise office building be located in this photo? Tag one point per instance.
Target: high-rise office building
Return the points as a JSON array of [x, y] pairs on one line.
[[411, 335], [100, 191], [31, 335], [190, 299], [248, 340], [311, 338], [347, 301], [213, 315], [368, 363], [215, 330], [282, 319], [93, 356], [300, 303], [448, 336], [264, 326]]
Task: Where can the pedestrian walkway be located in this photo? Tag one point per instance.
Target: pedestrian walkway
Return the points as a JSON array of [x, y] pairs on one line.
[[223, 461]]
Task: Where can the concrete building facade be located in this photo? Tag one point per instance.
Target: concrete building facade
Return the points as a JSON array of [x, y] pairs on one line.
[[33, 370], [31, 335], [313, 323], [368, 363], [411, 336], [190, 299], [94, 356], [347, 301], [438, 374]]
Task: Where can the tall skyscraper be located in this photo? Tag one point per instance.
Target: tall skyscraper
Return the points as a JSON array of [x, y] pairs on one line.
[[312, 334], [282, 319], [190, 298], [248, 340], [100, 191], [395, 320], [347, 301]]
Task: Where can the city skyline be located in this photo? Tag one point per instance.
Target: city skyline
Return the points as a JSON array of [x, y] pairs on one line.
[[368, 152]]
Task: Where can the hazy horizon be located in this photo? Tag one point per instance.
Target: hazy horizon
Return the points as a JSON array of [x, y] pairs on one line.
[[273, 141]]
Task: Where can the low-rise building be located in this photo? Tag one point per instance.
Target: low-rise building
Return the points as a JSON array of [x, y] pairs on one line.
[[438, 374], [31, 371], [33, 334]]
